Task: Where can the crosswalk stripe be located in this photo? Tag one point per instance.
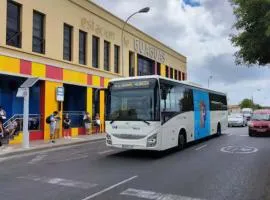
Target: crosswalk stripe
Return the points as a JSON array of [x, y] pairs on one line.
[[154, 195], [59, 181]]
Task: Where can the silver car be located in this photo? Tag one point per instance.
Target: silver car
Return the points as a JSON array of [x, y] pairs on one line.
[[237, 119]]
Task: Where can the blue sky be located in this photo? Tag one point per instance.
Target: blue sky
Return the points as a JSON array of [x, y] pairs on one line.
[[192, 3]]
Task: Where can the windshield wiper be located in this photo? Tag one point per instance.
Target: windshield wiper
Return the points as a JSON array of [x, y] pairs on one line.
[[142, 120]]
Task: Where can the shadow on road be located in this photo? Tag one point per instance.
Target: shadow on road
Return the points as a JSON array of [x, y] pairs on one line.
[[146, 155]]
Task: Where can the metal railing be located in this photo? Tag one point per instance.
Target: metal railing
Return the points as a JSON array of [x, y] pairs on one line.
[[33, 122]]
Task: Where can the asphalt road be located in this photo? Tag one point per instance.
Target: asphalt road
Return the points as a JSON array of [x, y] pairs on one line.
[[232, 166]]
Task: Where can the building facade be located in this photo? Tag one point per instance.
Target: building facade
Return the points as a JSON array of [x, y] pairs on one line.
[[77, 45]]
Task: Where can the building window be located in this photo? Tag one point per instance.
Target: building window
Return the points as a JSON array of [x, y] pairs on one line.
[[131, 64], [167, 71], [67, 53], [175, 74], [146, 66], [179, 75], [183, 76], [116, 58], [38, 45], [95, 51], [171, 72], [158, 68], [13, 32], [106, 56], [82, 47]]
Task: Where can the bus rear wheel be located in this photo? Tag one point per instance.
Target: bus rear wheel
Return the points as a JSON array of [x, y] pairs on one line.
[[181, 141]]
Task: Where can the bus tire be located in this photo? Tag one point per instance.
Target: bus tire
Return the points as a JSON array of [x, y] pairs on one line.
[[218, 129], [181, 140]]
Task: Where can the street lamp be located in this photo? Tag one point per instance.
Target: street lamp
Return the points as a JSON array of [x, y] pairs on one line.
[[143, 10], [210, 77], [257, 90]]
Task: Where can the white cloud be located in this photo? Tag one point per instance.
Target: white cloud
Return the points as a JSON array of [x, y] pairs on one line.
[[202, 34]]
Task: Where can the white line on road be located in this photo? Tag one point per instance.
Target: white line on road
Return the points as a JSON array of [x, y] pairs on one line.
[[37, 159], [154, 195], [75, 158], [109, 188], [244, 135], [201, 147], [59, 181], [107, 151], [230, 134]]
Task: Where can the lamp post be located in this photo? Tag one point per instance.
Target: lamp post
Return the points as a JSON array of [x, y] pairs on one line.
[[252, 99], [143, 10], [210, 77]]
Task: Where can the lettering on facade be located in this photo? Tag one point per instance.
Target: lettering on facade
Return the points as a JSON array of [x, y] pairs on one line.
[[149, 51], [99, 30]]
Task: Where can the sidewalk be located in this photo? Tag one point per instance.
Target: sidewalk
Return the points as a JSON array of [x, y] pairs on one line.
[[38, 145]]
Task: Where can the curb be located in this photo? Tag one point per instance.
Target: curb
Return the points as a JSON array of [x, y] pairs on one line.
[[55, 146]]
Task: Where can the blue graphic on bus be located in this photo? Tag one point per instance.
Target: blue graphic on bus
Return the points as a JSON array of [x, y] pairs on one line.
[[201, 114]]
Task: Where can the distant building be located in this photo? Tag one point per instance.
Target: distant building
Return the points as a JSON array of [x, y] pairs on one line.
[[234, 109]]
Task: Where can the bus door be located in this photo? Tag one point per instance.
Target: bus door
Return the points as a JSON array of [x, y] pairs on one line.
[[201, 114]]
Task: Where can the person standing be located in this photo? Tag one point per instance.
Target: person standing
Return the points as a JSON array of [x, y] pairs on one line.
[[87, 123], [97, 123], [53, 120], [2, 118], [66, 126]]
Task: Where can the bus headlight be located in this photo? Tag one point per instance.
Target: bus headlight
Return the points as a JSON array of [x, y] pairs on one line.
[[108, 139], [152, 141]]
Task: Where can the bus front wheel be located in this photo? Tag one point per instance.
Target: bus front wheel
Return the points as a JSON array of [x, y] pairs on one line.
[[181, 141]]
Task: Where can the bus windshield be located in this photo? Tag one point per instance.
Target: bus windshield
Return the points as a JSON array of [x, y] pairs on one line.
[[133, 100]]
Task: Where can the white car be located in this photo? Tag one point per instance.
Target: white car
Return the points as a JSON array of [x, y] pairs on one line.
[[237, 119]]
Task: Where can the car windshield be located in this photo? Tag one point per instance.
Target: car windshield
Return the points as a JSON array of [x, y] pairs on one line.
[[235, 116], [261, 117], [133, 101]]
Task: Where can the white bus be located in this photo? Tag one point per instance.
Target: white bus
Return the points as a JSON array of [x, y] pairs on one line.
[[157, 113]]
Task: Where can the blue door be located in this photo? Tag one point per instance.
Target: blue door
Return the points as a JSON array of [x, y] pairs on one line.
[[201, 114]]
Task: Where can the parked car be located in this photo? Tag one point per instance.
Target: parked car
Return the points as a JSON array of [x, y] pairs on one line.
[[247, 113], [259, 123], [237, 119]]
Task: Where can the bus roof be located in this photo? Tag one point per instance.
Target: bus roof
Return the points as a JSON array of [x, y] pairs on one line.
[[192, 85]]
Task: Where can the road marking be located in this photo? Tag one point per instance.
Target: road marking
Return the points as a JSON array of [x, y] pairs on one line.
[[154, 195], [75, 158], [230, 134], [201, 147], [238, 149], [107, 151], [109, 188], [37, 158], [59, 181], [244, 135]]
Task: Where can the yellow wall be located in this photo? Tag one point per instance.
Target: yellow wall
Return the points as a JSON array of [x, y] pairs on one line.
[[162, 70], [51, 105], [10, 65]]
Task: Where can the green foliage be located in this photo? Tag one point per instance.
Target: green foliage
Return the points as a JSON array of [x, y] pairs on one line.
[[247, 103], [253, 31]]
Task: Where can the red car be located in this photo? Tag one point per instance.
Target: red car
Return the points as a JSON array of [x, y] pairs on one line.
[[259, 123]]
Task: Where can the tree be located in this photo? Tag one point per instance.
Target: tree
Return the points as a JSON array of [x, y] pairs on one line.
[[253, 31], [246, 103]]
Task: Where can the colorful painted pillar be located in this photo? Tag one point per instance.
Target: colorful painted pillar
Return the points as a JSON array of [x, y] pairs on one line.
[[48, 96]]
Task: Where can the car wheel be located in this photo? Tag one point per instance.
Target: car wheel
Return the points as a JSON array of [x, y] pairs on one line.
[[250, 133]]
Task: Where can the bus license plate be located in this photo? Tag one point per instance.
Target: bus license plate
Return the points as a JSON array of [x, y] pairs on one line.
[[127, 146]]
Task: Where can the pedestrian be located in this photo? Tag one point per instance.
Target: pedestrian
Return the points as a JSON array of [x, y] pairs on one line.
[[51, 120], [66, 126], [97, 123], [87, 123], [2, 118]]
